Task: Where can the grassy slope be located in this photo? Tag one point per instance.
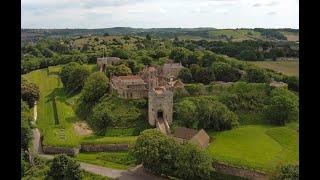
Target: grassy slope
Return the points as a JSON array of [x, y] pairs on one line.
[[286, 67], [258, 147], [61, 134], [116, 160]]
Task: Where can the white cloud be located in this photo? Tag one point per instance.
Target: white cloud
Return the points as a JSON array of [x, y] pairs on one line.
[[165, 13]]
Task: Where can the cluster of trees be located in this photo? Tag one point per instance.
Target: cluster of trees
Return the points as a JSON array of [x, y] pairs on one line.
[[282, 107], [246, 50], [271, 33], [204, 112], [162, 155], [113, 112], [73, 76]]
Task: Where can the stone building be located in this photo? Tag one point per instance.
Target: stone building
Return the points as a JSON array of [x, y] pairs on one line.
[[150, 76], [171, 70], [104, 61], [199, 138], [129, 87], [160, 106]]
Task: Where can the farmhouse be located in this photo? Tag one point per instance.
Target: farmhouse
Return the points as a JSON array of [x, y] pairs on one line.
[[199, 138]]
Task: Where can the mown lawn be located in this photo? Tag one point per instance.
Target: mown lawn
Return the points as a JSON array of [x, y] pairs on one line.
[[115, 160], [258, 147], [288, 67], [56, 114]]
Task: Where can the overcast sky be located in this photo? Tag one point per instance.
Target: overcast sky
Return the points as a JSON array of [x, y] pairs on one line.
[[156, 13]]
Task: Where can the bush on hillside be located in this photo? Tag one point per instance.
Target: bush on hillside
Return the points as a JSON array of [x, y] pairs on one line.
[[63, 167], [204, 75], [195, 89], [120, 70], [293, 83], [179, 54], [164, 156], [73, 76], [185, 75], [205, 112], [286, 172], [256, 75], [243, 96], [95, 86], [26, 130], [29, 92], [224, 72], [282, 108], [113, 112], [186, 114], [120, 53]]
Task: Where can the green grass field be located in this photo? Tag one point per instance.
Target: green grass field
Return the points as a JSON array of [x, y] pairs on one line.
[[258, 147], [290, 67], [115, 160], [61, 134]]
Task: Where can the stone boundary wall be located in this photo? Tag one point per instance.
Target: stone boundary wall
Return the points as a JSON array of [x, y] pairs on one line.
[[237, 171], [60, 150], [103, 147]]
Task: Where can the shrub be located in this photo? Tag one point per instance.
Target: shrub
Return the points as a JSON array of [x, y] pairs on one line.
[[255, 75], [73, 76], [179, 54], [282, 108], [29, 92], [120, 53], [63, 167], [186, 112], [249, 55], [185, 75], [205, 112], [293, 83], [224, 72], [215, 115], [195, 89], [193, 163], [95, 86], [26, 131], [204, 75], [114, 112], [163, 155], [156, 151], [287, 172]]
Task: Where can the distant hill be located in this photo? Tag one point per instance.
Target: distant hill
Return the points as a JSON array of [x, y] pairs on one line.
[[286, 34]]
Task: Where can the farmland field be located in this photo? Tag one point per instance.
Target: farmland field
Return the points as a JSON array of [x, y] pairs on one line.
[[287, 67], [258, 147]]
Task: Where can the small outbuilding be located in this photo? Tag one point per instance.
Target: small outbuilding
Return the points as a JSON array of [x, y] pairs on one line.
[[199, 138]]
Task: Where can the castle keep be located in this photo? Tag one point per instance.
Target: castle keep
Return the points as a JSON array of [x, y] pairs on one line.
[[158, 84]]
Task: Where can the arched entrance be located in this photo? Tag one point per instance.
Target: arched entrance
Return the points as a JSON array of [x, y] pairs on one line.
[[159, 114]]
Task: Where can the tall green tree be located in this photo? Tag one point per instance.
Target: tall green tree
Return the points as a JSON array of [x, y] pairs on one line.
[[95, 86], [29, 92]]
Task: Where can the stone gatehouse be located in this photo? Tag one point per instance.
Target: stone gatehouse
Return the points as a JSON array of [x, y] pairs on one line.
[[104, 61]]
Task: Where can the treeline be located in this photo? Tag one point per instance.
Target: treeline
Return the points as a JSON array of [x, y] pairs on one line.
[[245, 50]]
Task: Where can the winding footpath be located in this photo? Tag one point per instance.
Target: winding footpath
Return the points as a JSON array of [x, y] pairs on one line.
[[136, 173]]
